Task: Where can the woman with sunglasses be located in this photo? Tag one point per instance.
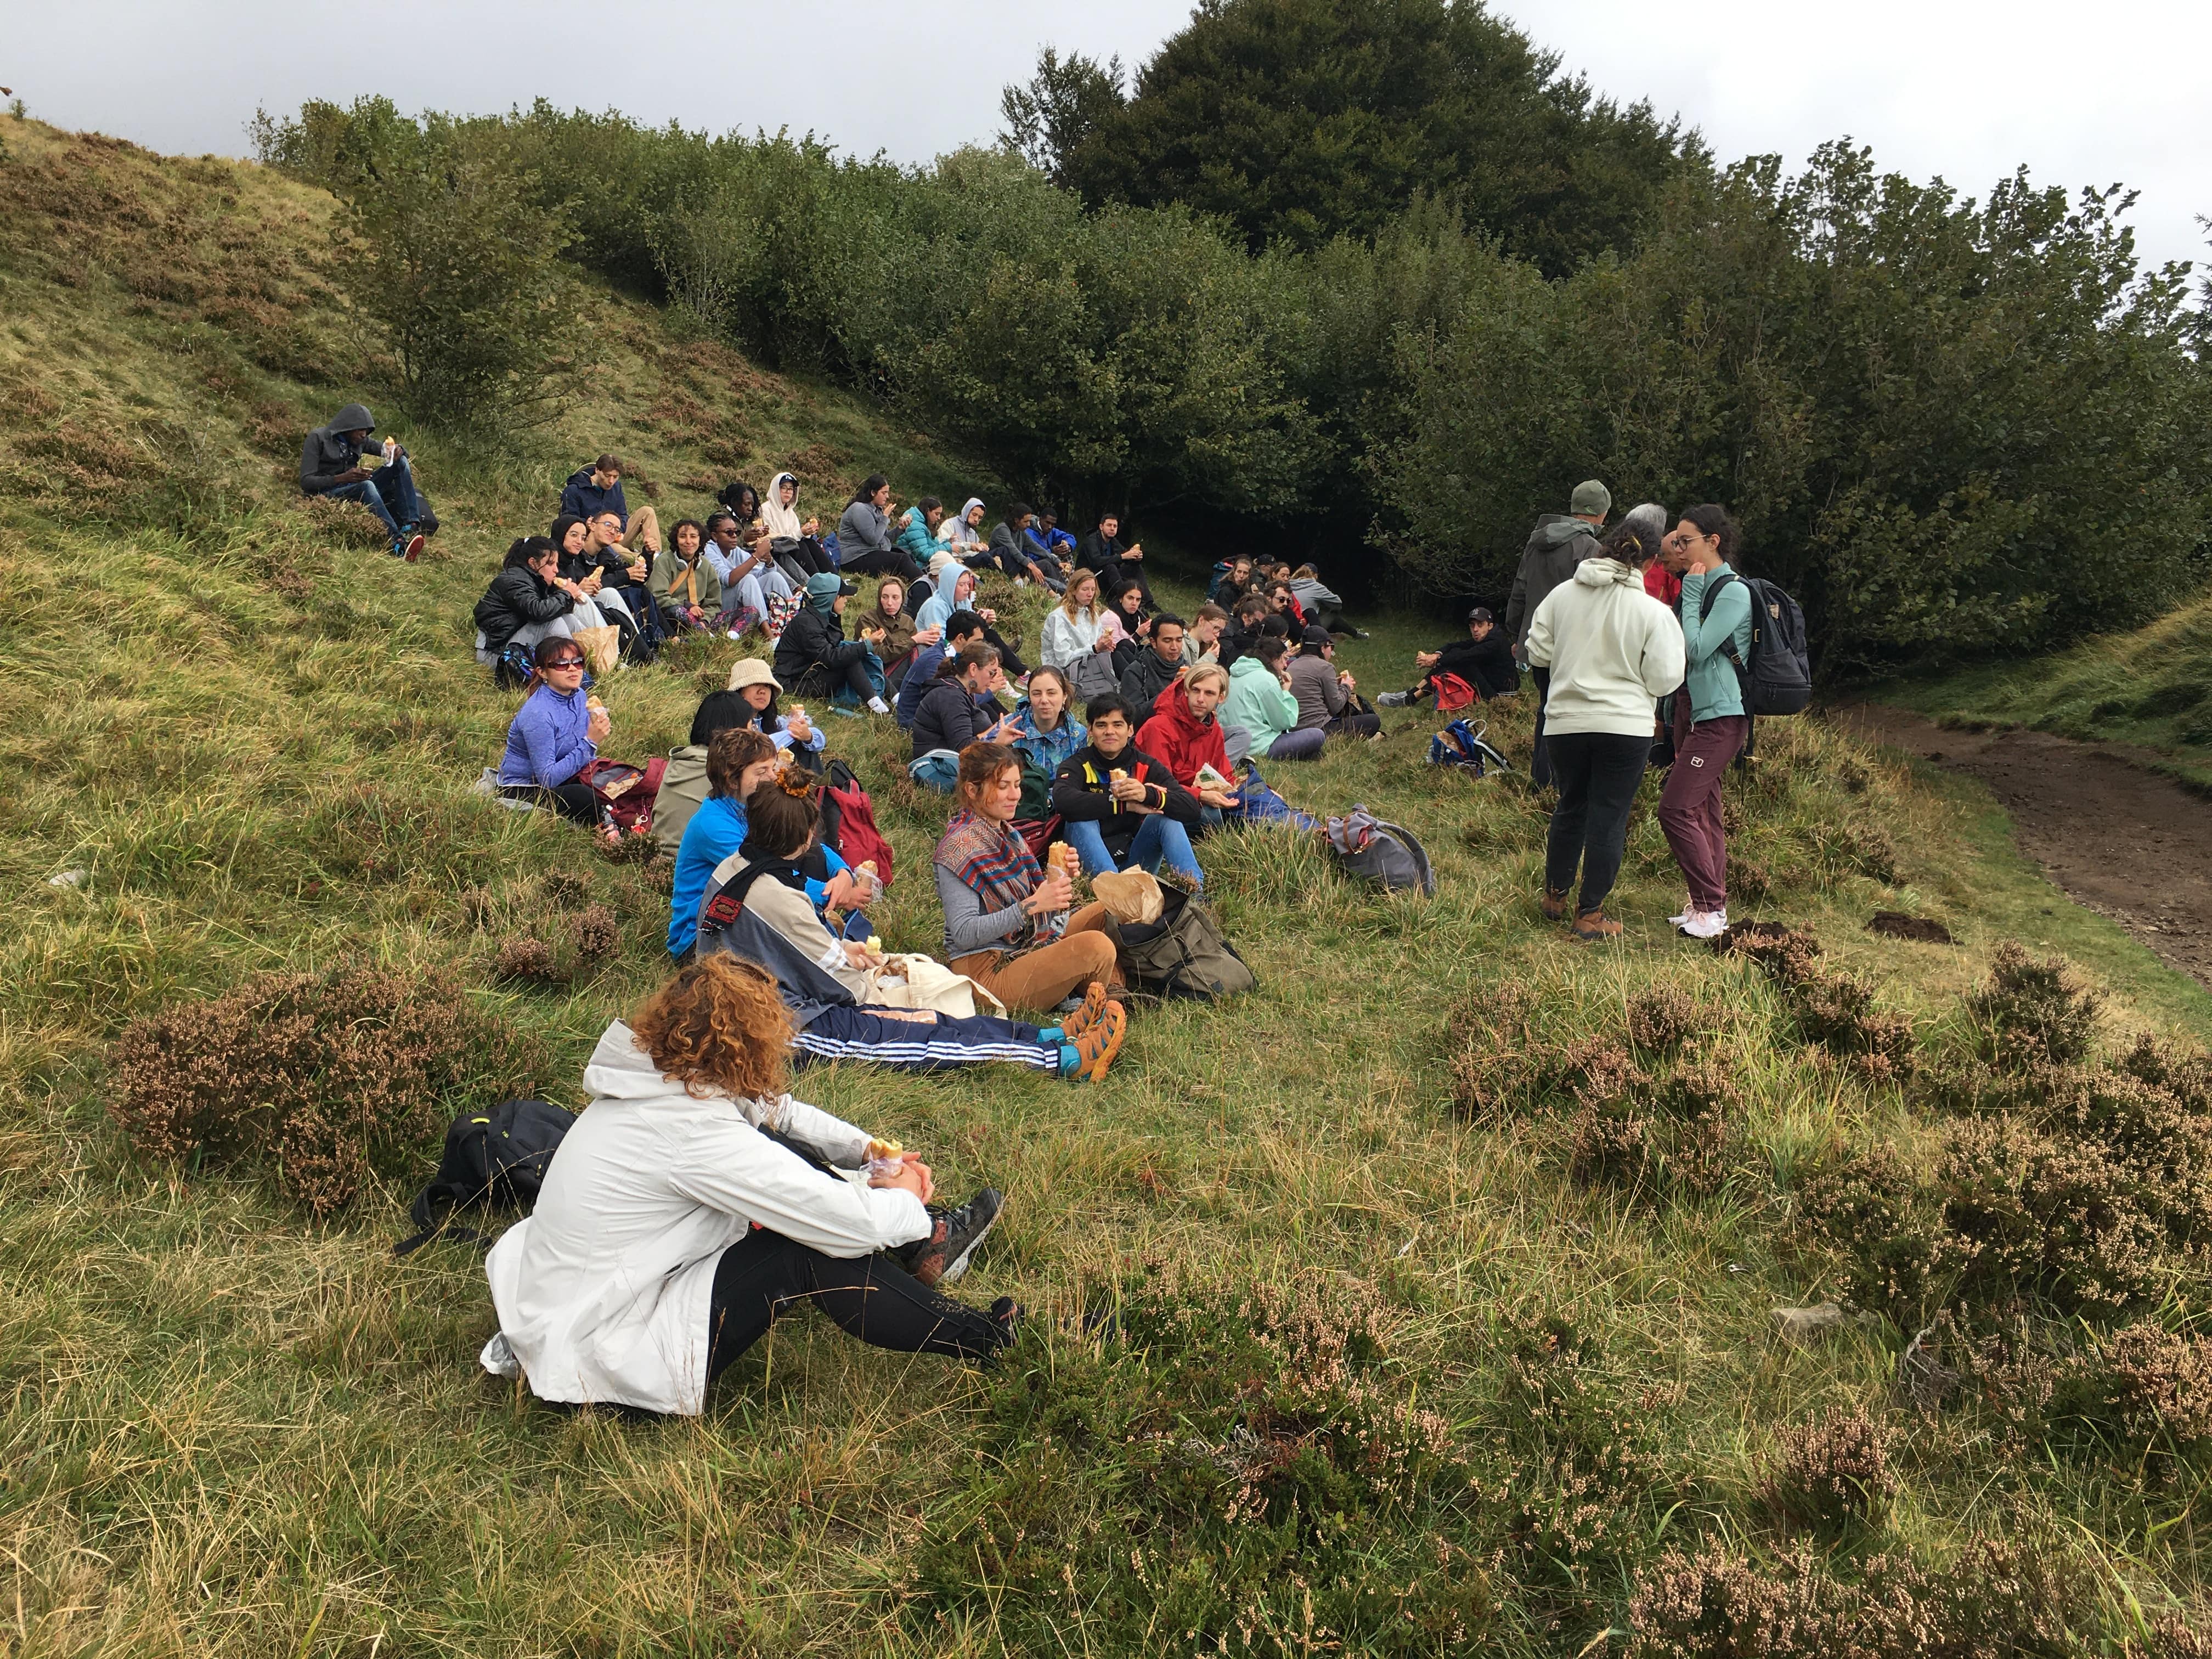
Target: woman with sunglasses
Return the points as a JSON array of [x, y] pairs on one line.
[[555, 735]]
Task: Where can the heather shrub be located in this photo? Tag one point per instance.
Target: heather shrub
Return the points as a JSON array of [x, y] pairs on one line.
[[596, 933], [1870, 1209], [1831, 1472], [1661, 1019], [1612, 1149], [2143, 1388], [525, 959], [2034, 1011], [318, 1083]]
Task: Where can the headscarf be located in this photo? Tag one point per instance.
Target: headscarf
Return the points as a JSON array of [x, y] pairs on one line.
[[779, 521], [822, 591]]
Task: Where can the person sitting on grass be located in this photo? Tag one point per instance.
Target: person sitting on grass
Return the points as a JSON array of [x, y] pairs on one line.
[[1044, 539], [962, 531], [892, 632], [955, 591], [597, 488], [1483, 660], [1010, 550], [1322, 605], [1324, 691], [330, 465], [917, 530], [1261, 705], [1072, 627], [1153, 670], [1185, 734], [815, 659], [1202, 639], [864, 541], [961, 706], [1102, 551], [738, 760], [962, 629], [1230, 578], [627, 576], [555, 735], [1007, 921], [1043, 731], [1120, 808], [847, 1001], [1245, 618], [528, 600], [749, 701], [684, 586], [1131, 616], [694, 1201], [747, 572], [796, 542]]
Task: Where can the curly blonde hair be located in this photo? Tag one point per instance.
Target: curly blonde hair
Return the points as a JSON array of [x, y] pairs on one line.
[[719, 1027]]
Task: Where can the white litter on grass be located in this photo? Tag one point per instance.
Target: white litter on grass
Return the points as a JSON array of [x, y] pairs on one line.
[[69, 878]]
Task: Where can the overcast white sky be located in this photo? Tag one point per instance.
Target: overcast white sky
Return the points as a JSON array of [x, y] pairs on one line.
[[2081, 93]]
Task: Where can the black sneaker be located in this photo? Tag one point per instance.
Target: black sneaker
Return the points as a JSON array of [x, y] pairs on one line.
[[944, 1255]]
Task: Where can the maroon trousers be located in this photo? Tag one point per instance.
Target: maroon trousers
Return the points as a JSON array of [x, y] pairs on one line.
[[1690, 806]]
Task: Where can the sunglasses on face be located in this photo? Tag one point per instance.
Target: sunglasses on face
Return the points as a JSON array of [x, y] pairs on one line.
[[564, 662]]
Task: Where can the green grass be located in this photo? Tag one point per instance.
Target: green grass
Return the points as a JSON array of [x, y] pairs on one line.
[[230, 1429], [2151, 689]]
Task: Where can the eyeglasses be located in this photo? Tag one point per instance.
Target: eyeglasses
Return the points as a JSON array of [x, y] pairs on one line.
[[564, 662]]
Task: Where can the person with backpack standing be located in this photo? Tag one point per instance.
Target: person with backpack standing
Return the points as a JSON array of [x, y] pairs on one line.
[[1611, 649], [1711, 720], [1556, 546]]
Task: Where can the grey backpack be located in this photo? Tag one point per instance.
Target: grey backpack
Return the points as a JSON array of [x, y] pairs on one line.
[[1381, 852]]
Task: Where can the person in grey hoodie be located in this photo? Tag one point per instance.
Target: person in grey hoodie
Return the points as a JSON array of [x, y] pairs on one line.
[[1558, 544], [1610, 649], [864, 541], [330, 464]]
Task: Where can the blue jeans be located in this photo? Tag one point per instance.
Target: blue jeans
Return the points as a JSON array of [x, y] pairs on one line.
[[1158, 838], [389, 493]]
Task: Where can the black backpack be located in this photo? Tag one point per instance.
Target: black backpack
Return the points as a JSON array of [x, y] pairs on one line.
[[1778, 678], [496, 1158]]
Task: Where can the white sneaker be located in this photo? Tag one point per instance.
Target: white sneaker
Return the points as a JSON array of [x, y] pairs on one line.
[[1705, 924], [1689, 909]]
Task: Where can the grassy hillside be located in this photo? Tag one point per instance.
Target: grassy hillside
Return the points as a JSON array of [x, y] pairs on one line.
[[1446, 1261], [2151, 689]]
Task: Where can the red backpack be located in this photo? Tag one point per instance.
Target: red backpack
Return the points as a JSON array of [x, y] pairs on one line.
[[1452, 692], [848, 822]]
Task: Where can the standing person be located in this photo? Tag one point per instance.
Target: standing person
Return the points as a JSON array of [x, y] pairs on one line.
[[597, 488], [330, 464], [1154, 670], [1484, 659], [1709, 721], [555, 735], [1262, 707], [1558, 544], [864, 541], [684, 584], [815, 659], [1324, 691], [1007, 921], [789, 535], [1102, 551], [1611, 649], [738, 760], [1120, 807], [1187, 735], [694, 1202]]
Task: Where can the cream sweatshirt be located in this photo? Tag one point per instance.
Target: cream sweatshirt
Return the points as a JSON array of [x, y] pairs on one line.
[[1612, 650]]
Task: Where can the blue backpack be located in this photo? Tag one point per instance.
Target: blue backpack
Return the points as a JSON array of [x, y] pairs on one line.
[[1461, 745]]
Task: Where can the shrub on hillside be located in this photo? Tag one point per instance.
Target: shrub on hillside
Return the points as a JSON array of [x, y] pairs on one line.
[[320, 1082], [2037, 1013], [1869, 1207], [2144, 1388], [1831, 1472]]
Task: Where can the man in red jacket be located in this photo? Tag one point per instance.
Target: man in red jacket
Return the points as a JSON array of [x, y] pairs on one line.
[[1184, 736]]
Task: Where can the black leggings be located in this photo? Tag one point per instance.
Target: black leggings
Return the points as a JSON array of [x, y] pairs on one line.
[[891, 562], [822, 679], [1354, 725], [1597, 773], [577, 802], [869, 1297], [1014, 665]]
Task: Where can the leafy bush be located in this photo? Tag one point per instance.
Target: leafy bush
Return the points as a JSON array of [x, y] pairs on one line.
[[320, 1083]]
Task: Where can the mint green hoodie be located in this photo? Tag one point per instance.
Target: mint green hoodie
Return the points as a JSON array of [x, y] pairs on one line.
[[1259, 702], [1714, 692]]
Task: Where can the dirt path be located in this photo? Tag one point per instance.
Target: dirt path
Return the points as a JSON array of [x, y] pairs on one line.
[[2119, 840]]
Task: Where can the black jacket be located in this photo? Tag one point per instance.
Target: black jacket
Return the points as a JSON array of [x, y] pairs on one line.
[[950, 716], [581, 499], [613, 567], [1080, 794], [1098, 552], [811, 640], [328, 451], [1487, 664], [1556, 546], [1143, 680], [516, 598]]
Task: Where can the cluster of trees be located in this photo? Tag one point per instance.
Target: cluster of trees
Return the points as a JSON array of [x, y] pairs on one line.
[[1435, 287]]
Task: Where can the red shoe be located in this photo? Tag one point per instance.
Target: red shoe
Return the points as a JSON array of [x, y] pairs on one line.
[[414, 547]]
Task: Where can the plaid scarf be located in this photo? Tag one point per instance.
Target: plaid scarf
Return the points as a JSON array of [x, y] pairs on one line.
[[992, 860]]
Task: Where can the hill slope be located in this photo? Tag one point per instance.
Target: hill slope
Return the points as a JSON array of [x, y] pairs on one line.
[[1478, 1324]]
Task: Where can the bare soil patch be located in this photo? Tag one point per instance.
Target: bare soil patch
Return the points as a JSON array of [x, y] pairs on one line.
[[2120, 840]]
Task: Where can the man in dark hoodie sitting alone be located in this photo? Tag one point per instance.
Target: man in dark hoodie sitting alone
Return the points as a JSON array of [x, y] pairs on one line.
[[1558, 544], [330, 465], [1484, 659]]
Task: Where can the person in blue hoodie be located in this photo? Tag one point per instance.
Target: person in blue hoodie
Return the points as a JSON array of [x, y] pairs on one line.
[[1710, 722]]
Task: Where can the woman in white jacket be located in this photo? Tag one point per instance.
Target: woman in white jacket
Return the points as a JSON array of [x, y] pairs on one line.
[[1612, 650], [694, 1200]]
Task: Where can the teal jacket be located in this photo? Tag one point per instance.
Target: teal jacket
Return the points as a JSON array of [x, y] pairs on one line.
[[1259, 702], [1714, 691], [917, 540]]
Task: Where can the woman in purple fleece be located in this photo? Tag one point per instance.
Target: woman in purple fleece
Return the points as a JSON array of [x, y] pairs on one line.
[[555, 735]]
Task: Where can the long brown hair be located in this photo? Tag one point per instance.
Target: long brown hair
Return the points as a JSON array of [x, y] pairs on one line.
[[980, 763], [718, 1027]]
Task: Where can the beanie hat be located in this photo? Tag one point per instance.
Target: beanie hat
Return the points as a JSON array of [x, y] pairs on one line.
[[1591, 500]]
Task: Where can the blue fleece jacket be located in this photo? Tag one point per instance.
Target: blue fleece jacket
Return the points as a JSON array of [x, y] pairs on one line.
[[545, 744], [1714, 691], [716, 830]]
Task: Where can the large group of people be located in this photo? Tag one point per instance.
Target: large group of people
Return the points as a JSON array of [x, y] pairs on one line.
[[695, 1172]]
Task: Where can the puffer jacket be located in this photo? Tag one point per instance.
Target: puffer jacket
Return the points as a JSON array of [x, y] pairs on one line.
[[1181, 742], [516, 598]]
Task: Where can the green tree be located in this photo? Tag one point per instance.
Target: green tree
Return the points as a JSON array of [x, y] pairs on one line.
[[1049, 120], [1298, 120]]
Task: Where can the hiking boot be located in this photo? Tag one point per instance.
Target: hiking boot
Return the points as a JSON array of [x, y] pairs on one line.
[[943, 1256], [1597, 926], [1096, 1048], [414, 546], [1087, 1013], [1554, 905]]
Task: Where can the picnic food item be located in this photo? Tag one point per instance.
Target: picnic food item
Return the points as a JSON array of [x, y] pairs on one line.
[[886, 1158]]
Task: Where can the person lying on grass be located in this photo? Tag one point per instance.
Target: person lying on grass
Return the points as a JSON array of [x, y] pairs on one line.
[[848, 1002], [694, 1200]]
